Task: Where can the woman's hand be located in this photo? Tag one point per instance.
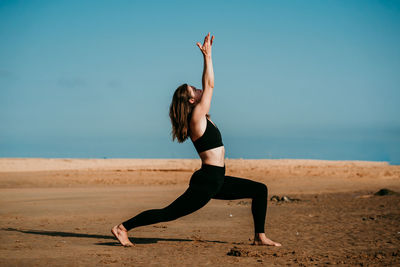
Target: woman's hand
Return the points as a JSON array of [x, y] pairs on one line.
[[206, 47]]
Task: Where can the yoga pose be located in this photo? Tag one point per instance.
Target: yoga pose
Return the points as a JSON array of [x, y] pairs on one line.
[[189, 118]]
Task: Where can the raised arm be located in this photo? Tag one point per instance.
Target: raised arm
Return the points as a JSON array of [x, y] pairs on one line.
[[203, 107], [208, 72]]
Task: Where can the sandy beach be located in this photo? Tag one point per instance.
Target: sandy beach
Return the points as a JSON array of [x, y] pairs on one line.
[[59, 212]]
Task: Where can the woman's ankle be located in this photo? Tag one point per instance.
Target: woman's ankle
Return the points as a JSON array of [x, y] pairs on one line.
[[121, 227], [259, 235]]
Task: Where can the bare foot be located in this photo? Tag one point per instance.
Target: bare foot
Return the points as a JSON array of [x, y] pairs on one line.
[[121, 234], [261, 240]]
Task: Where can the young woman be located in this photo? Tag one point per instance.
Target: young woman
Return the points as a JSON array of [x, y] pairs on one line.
[[189, 118]]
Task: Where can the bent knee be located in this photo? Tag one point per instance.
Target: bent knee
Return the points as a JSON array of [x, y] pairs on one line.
[[262, 190]]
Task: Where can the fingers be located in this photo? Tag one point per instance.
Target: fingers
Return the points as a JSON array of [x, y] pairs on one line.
[[207, 42], [207, 38]]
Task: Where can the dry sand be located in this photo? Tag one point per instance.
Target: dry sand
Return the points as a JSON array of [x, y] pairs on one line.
[[59, 212]]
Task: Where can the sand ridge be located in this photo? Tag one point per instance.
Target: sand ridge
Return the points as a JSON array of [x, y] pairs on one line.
[[309, 175]]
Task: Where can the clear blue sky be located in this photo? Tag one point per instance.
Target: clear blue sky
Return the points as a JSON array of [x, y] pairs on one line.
[[293, 79]]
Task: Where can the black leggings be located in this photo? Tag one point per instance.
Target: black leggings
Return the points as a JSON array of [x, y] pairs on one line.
[[207, 183]]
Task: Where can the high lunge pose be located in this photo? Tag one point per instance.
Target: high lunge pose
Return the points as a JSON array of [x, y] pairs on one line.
[[189, 118]]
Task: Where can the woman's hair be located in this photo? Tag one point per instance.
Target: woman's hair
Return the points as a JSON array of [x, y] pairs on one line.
[[180, 112]]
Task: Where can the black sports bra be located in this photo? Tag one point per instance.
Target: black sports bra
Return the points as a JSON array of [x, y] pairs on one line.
[[210, 139]]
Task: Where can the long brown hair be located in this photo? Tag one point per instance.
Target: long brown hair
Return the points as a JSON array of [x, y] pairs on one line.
[[180, 112]]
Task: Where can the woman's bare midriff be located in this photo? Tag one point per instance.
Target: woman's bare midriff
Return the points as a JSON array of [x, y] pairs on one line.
[[215, 156]]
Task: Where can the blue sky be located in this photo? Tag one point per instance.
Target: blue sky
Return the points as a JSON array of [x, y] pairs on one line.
[[293, 79]]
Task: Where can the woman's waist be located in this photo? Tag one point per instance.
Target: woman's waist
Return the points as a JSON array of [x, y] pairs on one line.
[[215, 156]]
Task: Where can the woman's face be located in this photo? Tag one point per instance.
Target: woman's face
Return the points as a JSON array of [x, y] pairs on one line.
[[195, 93]]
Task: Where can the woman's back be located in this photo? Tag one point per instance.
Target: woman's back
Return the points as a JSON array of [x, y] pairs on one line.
[[207, 140]]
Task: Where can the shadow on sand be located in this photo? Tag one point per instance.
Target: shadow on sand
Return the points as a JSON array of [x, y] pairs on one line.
[[136, 240]]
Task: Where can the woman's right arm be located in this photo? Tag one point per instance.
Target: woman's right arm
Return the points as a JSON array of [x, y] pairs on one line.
[[203, 106], [208, 72]]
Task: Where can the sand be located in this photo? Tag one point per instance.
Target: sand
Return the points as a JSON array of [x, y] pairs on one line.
[[59, 212]]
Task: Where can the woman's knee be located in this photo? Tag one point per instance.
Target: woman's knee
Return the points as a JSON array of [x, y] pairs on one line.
[[262, 190]]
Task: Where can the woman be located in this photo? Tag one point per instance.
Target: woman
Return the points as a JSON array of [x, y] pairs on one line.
[[189, 117]]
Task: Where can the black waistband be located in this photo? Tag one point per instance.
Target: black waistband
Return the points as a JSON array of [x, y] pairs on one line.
[[213, 168]]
